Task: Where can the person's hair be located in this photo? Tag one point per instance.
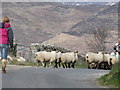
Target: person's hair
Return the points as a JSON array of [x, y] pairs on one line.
[[5, 19]]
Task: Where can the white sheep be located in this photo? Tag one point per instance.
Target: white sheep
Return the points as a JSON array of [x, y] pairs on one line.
[[114, 58], [98, 59], [21, 59], [94, 58], [44, 56], [106, 61], [58, 59], [69, 57]]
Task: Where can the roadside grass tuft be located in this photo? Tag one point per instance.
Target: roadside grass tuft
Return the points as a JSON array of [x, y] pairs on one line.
[[111, 79], [81, 64]]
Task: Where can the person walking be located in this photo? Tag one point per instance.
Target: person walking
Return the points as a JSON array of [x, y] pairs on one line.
[[6, 40]]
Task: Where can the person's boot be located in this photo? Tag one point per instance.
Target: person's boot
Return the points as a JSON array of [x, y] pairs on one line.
[[4, 62]]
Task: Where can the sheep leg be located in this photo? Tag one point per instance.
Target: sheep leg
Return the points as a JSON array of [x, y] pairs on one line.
[[73, 64], [68, 65], [38, 63], [55, 66], [89, 65], [98, 65], [95, 65], [110, 64], [106, 65], [43, 64], [59, 63], [63, 65], [50, 63]]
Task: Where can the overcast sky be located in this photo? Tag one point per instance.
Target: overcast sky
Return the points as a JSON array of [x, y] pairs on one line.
[[59, 0]]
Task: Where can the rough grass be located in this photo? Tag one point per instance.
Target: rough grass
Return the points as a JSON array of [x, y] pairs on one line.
[[112, 79], [81, 64]]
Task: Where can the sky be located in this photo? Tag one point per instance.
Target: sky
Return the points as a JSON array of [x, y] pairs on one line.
[[60, 0]]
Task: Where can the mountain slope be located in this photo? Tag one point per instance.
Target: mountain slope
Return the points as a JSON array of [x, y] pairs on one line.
[[105, 17], [37, 22]]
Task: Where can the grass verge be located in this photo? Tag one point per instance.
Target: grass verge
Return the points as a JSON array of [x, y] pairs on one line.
[[111, 79]]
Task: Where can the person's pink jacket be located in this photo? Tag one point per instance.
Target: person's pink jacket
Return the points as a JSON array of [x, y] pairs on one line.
[[4, 34]]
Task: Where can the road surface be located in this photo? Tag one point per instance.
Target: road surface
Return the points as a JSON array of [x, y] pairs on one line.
[[34, 77]]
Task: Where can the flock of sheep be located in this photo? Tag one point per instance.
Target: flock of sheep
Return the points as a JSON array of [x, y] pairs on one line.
[[67, 59], [95, 60]]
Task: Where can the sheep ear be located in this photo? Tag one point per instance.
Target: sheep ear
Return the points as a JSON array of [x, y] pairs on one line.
[[76, 52]]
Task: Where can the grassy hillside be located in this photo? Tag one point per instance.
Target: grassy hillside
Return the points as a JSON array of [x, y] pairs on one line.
[[113, 78]]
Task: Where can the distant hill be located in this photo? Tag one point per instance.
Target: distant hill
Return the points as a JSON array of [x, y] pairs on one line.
[[82, 31], [107, 16], [69, 42]]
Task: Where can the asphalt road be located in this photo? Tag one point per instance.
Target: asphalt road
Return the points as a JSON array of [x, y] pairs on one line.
[[34, 77]]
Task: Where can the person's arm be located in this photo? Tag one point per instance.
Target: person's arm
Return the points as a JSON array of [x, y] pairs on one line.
[[10, 36]]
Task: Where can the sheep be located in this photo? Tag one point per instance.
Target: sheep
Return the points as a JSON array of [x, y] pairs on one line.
[[58, 59], [103, 63], [44, 56], [69, 57], [106, 61], [94, 58], [97, 60], [21, 59], [114, 58]]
